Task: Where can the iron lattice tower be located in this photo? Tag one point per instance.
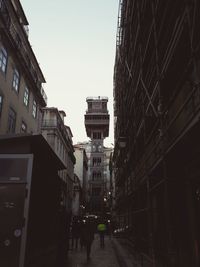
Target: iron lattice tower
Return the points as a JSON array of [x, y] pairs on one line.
[[97, 128]]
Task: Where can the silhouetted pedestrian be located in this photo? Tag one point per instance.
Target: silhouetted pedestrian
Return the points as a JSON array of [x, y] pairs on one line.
[[62, 237], [101, 227], [81, 233], [87, 236], [75, 232]]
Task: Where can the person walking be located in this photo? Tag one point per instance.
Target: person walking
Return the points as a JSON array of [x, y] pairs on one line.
[[82, 233], [101, 227], [87, 233], [62, 237], [75, 232]]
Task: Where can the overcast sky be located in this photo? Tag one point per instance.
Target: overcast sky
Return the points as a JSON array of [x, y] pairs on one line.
[[74, 42]]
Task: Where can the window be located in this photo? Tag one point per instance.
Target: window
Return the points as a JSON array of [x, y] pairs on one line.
[[11, 120], [15, 83], [96, 161], [97, 135], [96, 175], [3, 59], [34, 113], [104, 106], [1, 104], [23, 127], [26, 96]]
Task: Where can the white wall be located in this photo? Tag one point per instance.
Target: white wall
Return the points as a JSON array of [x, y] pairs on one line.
[[78, 168]]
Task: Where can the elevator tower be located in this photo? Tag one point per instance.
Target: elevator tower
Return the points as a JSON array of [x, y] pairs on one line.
[[97, 128]]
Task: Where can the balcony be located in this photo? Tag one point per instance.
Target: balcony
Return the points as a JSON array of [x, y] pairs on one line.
[[50, 123], [96, 111], [54, 124], [97, 105], [96, 122], [91, 98]]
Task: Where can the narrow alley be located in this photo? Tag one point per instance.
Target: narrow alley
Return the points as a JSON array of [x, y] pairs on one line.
[[114, 254], [99, 133]]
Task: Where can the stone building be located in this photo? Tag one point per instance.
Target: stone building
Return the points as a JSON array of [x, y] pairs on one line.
[[21, 93], [59, 137], [81, 170], [108, 178], [157, 111], [108, 184], [77, 208]]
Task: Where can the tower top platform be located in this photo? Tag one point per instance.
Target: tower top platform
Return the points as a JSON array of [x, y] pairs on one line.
[[97, 117], [97, 98]]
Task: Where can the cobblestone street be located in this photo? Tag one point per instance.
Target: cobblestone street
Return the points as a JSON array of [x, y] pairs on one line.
[[118, 252], [105, 257]]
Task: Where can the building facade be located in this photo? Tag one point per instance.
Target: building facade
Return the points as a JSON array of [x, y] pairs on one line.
[[77, 207], [81, 170], [108, 178], [97, 128], [157, 111], [59, 137], [86, 146], [112, 186], [21, 94]]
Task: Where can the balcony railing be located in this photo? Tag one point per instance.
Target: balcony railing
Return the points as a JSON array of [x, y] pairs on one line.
[[93, 111], [96, 98], [49, 123], [59, 126], [96, 122]]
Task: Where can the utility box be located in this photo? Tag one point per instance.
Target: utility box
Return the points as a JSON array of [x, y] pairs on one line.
[[15, 181], [29, 202]]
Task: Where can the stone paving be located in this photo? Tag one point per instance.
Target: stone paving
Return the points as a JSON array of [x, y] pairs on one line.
[[100, 257]]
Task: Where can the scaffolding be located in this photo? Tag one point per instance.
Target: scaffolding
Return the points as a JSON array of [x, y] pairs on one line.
[[156, 105]]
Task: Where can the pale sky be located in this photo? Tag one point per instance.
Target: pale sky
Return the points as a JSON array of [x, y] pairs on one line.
[[74, 43]]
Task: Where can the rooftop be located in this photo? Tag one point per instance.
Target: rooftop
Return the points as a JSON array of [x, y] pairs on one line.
[[91, 98]]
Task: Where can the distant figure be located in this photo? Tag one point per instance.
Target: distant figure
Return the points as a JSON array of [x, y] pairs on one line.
[[101, 227], [81, 233], [109, 229], [75, 232], [87, 233], [62, 237]]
